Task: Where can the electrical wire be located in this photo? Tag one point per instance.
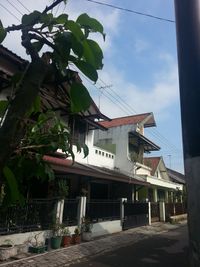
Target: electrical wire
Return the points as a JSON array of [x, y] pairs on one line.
[[23, 5], [131, 11], [15, 8], [11, 13]]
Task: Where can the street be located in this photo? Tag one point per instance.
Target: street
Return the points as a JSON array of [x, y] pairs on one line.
[[169, 249]]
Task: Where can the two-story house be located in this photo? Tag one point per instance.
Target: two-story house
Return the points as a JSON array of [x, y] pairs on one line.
[[121, 150]]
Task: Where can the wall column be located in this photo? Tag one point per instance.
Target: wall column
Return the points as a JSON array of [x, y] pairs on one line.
[[155, 194], [81, 210], [166, 196]]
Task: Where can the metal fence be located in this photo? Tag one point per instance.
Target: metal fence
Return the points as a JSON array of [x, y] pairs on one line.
[[100, 210], [70, 212], [173, 209], [155, 212], [135, 214], [34, 215]]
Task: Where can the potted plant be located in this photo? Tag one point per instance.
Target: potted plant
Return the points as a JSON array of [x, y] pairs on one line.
[[36, 245], [76, 237], [86, 229], [56, 235], [7, 250], [66, 236]]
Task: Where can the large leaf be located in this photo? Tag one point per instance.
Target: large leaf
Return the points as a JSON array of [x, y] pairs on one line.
[[80, 97], [97, 52], [37, 45], [75, 29], [62, 19], [12, 184], [31, 18], [2, 32], [3, 106], [90, 23], [87, 69], [77, 46], [93, 53]]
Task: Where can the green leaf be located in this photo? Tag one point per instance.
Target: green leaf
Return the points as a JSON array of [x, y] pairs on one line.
[[75, 29], [62, 19], [80, 97], [93, 53], [37, 45], [3, 106], [85, 150], [77, 46], [90, 23], [97, 52], [46, 18], [15, 79], [87, 69], [2, 32], [12, 184], [31, 18]]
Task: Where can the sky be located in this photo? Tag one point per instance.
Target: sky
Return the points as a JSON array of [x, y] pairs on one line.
[[140, 72]]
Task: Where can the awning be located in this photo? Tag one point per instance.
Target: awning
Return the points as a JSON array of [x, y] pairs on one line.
[[142, 140], [67, 166]]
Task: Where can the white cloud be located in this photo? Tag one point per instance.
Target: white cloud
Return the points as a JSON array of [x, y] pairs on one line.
[[157, 98], [140, 46]]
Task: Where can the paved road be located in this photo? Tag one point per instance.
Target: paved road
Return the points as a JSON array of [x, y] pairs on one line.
[[167, 249]]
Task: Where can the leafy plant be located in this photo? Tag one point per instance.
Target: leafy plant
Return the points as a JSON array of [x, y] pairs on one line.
[[54, 44], [86, 225], [77, 231]]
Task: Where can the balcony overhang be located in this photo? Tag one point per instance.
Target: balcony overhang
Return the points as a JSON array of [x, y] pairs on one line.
[[142, 140], [163, 183]]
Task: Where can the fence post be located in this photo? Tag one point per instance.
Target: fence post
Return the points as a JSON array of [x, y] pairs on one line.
[[59, 210], [122, 200], [81, 209], [162, 211], [149, 210]]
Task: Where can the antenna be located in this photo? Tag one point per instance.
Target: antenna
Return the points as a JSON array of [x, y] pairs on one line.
[[101, 89]]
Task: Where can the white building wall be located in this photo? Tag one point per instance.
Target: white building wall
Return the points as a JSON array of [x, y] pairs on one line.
[[97, 156], [119, 136]]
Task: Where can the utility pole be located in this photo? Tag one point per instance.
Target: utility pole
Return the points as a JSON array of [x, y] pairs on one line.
[[188, 46]]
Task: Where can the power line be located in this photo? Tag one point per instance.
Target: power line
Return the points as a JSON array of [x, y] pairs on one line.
[[12, 14], [131, 11], [15, 8], [23, 5]]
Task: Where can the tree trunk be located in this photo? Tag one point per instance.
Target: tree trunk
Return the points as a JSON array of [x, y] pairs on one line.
[[188, 44]]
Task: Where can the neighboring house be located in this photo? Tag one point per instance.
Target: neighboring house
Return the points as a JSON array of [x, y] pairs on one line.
[[176, 177], [162, 187], [121, 149]]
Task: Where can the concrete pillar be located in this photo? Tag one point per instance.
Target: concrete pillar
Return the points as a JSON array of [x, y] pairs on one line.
[[155, 194], [149, 215], [166, 196], [59, 210], [122, 200], [162, 211], [81, 209]]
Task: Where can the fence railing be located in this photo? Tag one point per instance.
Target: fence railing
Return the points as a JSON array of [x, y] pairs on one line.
[[135, 214], [173, 209], [99, 210], [70, 212], [155, 213], [34, 215]]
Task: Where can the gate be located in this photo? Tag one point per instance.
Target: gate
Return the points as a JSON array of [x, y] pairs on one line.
[[155, 212], [135, 214]]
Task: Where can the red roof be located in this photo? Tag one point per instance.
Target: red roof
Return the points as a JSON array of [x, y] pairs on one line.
[[152, 162], [134, 119]]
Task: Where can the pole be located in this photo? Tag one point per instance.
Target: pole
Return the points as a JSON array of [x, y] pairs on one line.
[[188, 46]]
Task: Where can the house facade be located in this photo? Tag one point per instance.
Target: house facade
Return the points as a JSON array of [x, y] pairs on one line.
[[121, 149]]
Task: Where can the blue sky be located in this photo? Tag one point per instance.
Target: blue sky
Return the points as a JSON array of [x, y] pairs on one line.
[[140, 63]]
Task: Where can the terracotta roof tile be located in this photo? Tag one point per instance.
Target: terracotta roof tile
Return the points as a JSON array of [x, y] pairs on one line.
[[152, 162], [134, 119]]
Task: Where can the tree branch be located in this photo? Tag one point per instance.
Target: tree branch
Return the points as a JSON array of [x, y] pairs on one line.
[[52, 6]]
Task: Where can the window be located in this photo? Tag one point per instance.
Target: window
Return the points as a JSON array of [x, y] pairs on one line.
[[112, 157], [99, 152], [96, 151], [106, 154], [102, 153]]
